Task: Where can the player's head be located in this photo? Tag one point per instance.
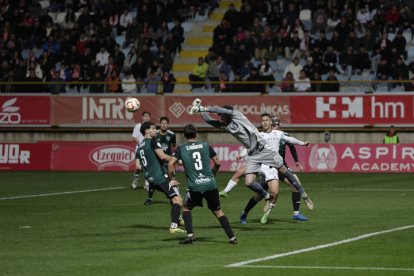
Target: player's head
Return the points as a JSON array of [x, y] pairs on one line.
[[266, 122], [146, 116], [275, 122], [190, 131], [226, 119], [164, 121], [148, 128]]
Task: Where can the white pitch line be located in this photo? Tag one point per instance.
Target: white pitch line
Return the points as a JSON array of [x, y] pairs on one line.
[[365, 236], [332, 267], [62, 193], [374, 190]]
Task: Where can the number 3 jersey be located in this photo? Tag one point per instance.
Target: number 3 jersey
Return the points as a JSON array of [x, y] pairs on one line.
[[154, 171], [196, 161]]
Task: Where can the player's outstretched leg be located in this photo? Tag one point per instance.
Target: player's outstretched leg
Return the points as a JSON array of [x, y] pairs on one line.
[[233, 182], [295, 183], [250, 205]]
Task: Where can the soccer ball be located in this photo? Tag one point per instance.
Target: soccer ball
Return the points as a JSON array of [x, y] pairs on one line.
[[132, 104]]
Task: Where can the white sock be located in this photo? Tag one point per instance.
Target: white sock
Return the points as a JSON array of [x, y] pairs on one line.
[[295, 213], [173, 225], [230, 186]]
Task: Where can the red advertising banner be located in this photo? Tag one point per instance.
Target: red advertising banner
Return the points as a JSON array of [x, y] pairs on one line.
[[357, 158], [108, 111], [25, 156], [177, 107], [101, 111], [353, 110], [25, 111], [93, 156], [120, 156]]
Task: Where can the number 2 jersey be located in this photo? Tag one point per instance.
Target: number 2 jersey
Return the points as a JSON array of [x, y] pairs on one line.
[[196, 161], [154, 170]]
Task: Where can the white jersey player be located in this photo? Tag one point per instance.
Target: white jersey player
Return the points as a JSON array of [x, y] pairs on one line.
[[138, 137]]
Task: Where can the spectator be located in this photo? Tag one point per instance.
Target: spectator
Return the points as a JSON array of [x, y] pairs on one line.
[[302, 84], [125, 20], [35, 84], [400, 43], [139, 70], [168, 81], [153, 81], [114, 82], [131, 58], [399, 72], [97, 85], [332, 85], [199, 74], [294, 68], [102, 57], [266, 72], [255, 84], [224, 85], [287, 84], [309, 68], [391, 137], [213, 72], [129, 83], [316, 85], [292, 49]]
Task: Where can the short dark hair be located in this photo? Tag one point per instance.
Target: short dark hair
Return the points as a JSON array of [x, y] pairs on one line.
[[146, 113], [190, 131], [265, 115], [145, 126], [164, 118], [229, 107]]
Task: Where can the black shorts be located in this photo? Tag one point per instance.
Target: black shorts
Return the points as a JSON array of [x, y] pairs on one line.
[[193, 199], [169, 191], [282, 176]]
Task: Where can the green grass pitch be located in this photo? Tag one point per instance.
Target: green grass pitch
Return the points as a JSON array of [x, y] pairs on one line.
[[75, 228]]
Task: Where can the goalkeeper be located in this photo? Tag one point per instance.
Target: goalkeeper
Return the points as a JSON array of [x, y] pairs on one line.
[[258, 150]]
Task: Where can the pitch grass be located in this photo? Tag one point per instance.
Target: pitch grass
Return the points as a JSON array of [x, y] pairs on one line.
[[113, 233]]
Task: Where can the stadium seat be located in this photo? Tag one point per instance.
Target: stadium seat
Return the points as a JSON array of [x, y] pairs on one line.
[[187, 26], [52, 15], [120, 39], [25, 53], [77, 14], [306, 17], [411, 51], [60, 17], [408, 36], [45, 4], [391, 36]]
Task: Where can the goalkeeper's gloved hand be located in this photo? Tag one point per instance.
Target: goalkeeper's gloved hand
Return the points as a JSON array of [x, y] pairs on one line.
[[197, 109], [197, 102]]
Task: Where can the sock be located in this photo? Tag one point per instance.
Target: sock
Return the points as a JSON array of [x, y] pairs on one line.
[[255, 186], [225, 224], [296, 202], [230, 186], [294, 181], [252, 202], [188, 220], [150, 193], [175, 212]]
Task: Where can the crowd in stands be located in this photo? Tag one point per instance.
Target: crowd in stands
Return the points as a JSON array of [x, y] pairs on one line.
[[310, 41], [119, 42]]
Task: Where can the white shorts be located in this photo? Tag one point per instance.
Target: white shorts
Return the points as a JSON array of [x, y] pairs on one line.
[[269, 173]]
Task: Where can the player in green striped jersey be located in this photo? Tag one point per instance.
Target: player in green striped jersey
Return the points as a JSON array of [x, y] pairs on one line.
[[166, 138], [151, 158], [201, 181]]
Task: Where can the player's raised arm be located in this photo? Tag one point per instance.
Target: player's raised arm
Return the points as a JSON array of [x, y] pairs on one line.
[[294, 141]]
